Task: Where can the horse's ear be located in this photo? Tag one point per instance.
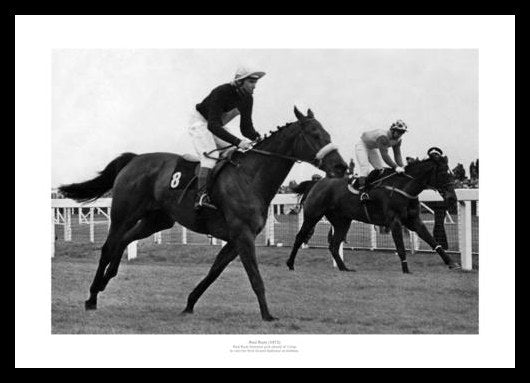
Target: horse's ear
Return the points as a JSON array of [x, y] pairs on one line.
[[298, 114], [310, 114]]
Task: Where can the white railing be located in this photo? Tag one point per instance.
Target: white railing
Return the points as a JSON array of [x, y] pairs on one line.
[[64, 209]]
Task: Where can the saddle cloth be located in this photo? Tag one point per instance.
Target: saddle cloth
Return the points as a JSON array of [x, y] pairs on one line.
[[185, 171], [187, 168]]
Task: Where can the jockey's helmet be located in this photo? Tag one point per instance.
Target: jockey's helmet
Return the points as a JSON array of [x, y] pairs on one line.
[[399, 125], [244, 72], [435, 150]]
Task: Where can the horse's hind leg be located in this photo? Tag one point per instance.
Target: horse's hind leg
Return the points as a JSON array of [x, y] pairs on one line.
[[153, 222], [419, 227], [109, 253], [104, 260], [340, 230], [119, 237], [227, 254], [306, 231]]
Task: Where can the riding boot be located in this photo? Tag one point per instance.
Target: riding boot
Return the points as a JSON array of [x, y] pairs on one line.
[[202, 198], [361, 182]]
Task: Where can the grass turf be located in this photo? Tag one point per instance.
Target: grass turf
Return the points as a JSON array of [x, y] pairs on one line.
[[149, 293]]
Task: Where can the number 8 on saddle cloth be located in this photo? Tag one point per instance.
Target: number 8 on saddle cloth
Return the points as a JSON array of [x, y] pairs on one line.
[[183, 174]]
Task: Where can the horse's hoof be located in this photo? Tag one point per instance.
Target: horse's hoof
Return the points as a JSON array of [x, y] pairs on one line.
[[455, 267], [90, 306], [186, 312], [270, 318]]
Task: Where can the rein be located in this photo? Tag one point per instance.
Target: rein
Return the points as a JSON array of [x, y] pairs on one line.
[[325, 150], [378, 181], [259, 151], [272, 154], [318, 156], [377, 184], [402, 192]]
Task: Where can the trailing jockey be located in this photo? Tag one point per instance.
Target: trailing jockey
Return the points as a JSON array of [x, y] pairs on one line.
[[435, 151], [207, 126], [372, 150]]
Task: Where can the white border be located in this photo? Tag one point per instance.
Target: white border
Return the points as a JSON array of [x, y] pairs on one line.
[[36, 36]]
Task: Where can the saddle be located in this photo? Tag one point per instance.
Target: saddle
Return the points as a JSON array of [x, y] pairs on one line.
[[353, 183], [184, 176]]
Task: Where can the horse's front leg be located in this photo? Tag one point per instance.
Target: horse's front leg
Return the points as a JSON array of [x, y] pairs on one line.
[[397, 235], [225, 256], [306, 231], [246, 249], [419, 227]]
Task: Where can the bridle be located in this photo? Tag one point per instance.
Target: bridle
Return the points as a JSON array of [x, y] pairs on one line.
[[319, 153]]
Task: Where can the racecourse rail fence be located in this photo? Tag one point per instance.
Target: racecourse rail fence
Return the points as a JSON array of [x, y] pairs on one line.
[[89, 223]]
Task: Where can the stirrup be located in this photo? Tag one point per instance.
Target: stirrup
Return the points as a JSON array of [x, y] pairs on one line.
[[204, 201], [365, 196]]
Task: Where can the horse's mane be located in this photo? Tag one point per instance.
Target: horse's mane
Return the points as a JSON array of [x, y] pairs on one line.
[[376, 174], [417, 163], [267, 137]]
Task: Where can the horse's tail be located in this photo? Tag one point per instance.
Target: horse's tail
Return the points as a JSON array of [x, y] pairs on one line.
[[303, 189], [95, 188]]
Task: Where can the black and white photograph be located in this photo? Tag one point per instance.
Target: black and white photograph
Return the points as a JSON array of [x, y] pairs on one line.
[[266, 201]]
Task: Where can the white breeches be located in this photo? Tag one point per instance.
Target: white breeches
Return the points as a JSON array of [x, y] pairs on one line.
[[205, 141], [367, 159]]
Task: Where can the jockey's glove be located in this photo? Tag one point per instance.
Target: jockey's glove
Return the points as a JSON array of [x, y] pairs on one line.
[[245, 144], [399, 169]]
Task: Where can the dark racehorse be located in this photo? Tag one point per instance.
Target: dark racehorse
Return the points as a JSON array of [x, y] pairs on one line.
[[393, 203], [143, 204]]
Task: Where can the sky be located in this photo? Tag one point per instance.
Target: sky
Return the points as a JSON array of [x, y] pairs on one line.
[[109, 101]]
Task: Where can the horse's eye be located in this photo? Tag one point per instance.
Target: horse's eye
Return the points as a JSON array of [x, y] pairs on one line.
[[314, 133]]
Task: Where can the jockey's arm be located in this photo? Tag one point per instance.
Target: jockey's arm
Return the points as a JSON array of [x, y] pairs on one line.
[[215, 124], [383, 149], [397, 154], [246, 126]]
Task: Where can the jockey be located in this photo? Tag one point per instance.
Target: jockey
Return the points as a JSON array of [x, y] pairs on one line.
[[374, 146], [207, 126]]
